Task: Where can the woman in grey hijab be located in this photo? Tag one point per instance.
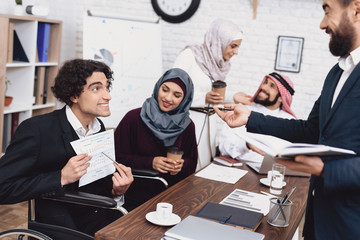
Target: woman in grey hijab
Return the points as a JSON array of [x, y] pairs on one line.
[[206, 63], [145, 134]]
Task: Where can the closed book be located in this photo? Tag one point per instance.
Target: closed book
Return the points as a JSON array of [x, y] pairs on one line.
[[43, 38], [195, 228], [14, 122], [227, 161], [231, 215], [6, 132]]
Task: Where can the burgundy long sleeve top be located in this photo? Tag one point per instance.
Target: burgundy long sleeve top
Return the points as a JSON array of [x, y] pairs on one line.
[[136, 147]]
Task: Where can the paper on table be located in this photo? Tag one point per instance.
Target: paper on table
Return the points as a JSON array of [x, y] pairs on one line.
[[221, 173], [248, 200], [95, 146]]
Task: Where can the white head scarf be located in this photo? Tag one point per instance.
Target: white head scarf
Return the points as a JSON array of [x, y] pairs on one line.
[[209, 55]]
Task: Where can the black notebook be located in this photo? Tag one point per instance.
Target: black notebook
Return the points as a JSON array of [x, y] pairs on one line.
[[231, 215]]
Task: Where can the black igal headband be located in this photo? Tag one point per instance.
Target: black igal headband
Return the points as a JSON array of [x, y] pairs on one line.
[[283, 82]]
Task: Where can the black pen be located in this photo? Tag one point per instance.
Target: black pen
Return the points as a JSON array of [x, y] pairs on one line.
[[220, 108]]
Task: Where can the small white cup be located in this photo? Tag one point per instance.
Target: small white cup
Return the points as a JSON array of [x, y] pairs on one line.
[[269, 174], [163, 210]]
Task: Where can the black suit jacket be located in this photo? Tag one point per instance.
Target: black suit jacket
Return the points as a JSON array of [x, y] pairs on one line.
[[31, 169], [333, 210]]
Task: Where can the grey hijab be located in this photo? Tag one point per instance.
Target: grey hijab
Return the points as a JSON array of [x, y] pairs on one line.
[[167, 126], [209, 55]]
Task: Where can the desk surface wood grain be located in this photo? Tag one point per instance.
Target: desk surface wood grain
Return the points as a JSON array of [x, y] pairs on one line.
[[192, 193]]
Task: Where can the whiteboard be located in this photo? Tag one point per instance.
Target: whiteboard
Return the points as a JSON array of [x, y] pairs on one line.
[[132, 49]]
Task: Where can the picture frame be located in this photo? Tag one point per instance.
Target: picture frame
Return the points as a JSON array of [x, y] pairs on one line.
[[289, 53]]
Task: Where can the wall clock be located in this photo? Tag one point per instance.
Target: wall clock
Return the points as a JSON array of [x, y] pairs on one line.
[[175, 11]]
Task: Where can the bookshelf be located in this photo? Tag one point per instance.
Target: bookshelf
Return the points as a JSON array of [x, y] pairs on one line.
[[26, 86]]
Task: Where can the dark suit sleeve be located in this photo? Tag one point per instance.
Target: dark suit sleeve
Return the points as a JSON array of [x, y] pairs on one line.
[[342, 174], [20, 177], [306, 131]]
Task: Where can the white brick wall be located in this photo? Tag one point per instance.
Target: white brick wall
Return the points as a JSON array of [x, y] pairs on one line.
[[257, 52]]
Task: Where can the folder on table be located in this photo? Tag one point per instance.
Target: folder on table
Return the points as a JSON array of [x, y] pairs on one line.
[[237, 217], [43, 38]]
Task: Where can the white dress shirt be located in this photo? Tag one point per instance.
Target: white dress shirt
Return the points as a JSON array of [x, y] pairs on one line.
[[347, 64], [93, 127]]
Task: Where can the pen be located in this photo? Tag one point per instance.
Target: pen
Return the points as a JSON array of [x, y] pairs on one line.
[[110, 158], [288, 196], [220, 108], [268, 194]]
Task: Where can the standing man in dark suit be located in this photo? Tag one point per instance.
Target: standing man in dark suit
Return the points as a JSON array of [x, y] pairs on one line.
[[41, 162], [333, 210]]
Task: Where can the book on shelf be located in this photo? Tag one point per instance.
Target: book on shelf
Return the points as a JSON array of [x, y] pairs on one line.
[[6, 138], [196, 228], [10, 43], [40, 88], [280, 148], [228, 161], [14, 122], [44, 100], [238, 217], [43, 38], [18, 50]]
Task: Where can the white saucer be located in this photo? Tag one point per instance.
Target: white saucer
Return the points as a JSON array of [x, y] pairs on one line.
[[266, 182], [172, 220]]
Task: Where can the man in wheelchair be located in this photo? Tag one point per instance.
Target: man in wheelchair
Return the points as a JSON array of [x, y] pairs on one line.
[[40, 162]]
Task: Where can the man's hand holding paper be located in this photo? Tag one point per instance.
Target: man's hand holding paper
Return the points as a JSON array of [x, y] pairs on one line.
[[75, 168]]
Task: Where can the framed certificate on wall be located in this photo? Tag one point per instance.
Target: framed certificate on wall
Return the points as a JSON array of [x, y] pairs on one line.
[[289, 53]]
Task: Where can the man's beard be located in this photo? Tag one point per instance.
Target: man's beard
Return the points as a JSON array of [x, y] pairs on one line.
[[343, 38], [266, 102]]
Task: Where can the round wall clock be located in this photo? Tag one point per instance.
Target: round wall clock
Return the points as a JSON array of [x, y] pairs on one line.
[[175, 11]]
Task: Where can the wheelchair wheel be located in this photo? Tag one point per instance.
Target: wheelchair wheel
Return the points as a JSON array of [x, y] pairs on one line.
[[22, 234]]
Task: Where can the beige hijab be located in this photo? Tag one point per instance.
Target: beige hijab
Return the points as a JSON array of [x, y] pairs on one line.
[[209, 55]]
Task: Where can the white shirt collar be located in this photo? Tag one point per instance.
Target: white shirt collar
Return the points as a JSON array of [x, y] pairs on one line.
[[350, 61], [94, 125]]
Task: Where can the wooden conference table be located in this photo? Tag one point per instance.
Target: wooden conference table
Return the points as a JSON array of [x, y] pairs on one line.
[[192, 193]]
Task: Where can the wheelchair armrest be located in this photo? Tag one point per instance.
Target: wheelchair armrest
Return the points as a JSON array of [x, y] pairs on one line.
[[149, 174], [145, 172], [88, 199]]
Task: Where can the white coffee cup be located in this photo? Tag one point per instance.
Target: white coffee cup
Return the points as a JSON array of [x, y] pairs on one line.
[[163, 210], [269, 174]]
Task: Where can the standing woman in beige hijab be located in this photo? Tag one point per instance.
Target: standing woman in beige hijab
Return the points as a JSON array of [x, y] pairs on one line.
[[205, 64]]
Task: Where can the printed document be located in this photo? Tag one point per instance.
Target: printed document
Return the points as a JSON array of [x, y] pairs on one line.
[[99, 146], [248, 200], [221, 173]]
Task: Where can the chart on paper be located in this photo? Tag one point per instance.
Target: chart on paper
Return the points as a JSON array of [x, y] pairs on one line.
[[99, 146]]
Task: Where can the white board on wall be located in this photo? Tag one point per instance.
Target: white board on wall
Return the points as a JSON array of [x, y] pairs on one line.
[[132, 49]]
